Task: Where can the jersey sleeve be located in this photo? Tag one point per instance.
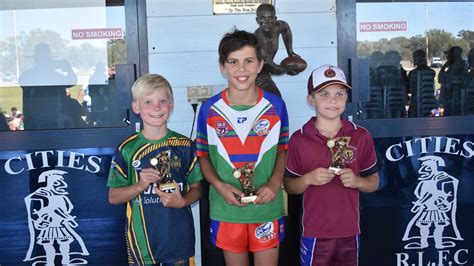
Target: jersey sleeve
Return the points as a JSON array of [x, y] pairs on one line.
[[194, 171], [293, 159], [370, 163], [284, 130], [202, 148], [118, 171]]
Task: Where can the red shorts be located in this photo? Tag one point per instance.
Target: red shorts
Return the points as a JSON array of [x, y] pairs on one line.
[[329, 251], [239, 238]]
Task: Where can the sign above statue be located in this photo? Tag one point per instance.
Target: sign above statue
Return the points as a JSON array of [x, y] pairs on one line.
[[237, 6]]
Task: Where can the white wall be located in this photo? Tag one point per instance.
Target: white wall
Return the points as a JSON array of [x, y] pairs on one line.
[[183, 36]]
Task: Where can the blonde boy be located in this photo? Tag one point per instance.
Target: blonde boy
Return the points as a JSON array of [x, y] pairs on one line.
[[160, 227]]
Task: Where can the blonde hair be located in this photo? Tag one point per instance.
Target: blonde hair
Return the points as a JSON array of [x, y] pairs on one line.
[[150, 83]]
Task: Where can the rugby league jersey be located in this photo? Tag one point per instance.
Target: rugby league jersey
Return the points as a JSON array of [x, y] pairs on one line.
[[154, 233], [233, 136]]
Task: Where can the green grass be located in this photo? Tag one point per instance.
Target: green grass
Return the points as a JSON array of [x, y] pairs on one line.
[[9, 97], [12, 97]]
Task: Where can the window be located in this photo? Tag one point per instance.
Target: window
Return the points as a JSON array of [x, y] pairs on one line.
[[421, 58], [60, 71]]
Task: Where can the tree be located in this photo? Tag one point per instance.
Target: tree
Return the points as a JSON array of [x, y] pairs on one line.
[[467, 35], [439, 41]]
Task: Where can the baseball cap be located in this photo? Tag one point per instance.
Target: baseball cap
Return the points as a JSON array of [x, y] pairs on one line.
[[454, 50], [324, 76]]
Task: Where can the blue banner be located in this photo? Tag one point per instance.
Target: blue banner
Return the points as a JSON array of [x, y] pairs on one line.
[[423, 212], [55, 209]]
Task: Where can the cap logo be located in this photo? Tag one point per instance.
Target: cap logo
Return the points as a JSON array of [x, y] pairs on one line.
[[329, 73]]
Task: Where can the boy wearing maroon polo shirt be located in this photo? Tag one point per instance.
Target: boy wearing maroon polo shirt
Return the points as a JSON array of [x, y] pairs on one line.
[[330, 160]]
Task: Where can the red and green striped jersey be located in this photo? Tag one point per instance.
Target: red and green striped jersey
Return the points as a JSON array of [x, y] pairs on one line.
[[154, 233], [235, 135]]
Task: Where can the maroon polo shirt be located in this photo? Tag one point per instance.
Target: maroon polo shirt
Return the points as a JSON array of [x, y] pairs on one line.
[[331, 210]]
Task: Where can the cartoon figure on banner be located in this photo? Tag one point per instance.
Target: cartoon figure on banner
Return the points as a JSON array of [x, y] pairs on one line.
[[436, 206], [51, 224]]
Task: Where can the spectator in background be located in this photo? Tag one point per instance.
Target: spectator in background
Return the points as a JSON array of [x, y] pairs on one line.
[[451, 77], [421, 86], [99, 77], [44, 91], [17, 119], [3, 122], [469, 80], [15, 112], [468, 85]]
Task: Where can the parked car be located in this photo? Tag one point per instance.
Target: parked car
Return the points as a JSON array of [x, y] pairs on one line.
[[436, 62]]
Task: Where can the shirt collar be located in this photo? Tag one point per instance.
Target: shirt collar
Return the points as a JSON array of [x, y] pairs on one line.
[[310, 129]]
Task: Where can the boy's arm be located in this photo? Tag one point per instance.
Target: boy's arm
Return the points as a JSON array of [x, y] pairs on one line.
[[369, 183], [175, 200], [317, 177], [228, 192], [365, 184], [267, 192], [121, 195]]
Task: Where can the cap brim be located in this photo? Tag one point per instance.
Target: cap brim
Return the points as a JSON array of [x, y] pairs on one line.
[[331, 83]]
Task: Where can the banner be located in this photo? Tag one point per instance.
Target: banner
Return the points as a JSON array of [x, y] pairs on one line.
[[423, 212], [55, 209]]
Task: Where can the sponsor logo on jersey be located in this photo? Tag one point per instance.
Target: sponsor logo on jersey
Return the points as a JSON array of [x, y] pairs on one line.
[[136, 164], [262, 127], [175, 162], [265, 232], [222, 128], [241, 120]]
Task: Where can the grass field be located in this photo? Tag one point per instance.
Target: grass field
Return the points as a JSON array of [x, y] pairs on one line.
[[9, 97], [12, 97]]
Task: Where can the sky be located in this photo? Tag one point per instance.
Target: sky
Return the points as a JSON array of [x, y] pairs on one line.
[[62, 21], [449, 16]]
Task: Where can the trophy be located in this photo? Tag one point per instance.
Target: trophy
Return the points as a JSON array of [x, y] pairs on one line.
[[162, 164], [338, 149], [246, 178]]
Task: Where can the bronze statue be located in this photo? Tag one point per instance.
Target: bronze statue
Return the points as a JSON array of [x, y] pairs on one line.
[[268, 34]]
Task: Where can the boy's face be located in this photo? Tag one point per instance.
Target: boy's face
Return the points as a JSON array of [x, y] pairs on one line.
[[242, 68], [154, 108], [329, 102]]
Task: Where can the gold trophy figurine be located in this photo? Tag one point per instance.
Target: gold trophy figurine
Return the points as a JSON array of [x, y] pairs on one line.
[[338, 148], [246, 178], [162, 164]]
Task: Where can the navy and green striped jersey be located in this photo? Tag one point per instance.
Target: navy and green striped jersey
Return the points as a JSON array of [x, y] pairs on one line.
[[154, 233]]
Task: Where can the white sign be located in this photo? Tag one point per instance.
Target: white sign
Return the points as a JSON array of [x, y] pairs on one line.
[[237, 6], [383, 26], [106, 33]]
